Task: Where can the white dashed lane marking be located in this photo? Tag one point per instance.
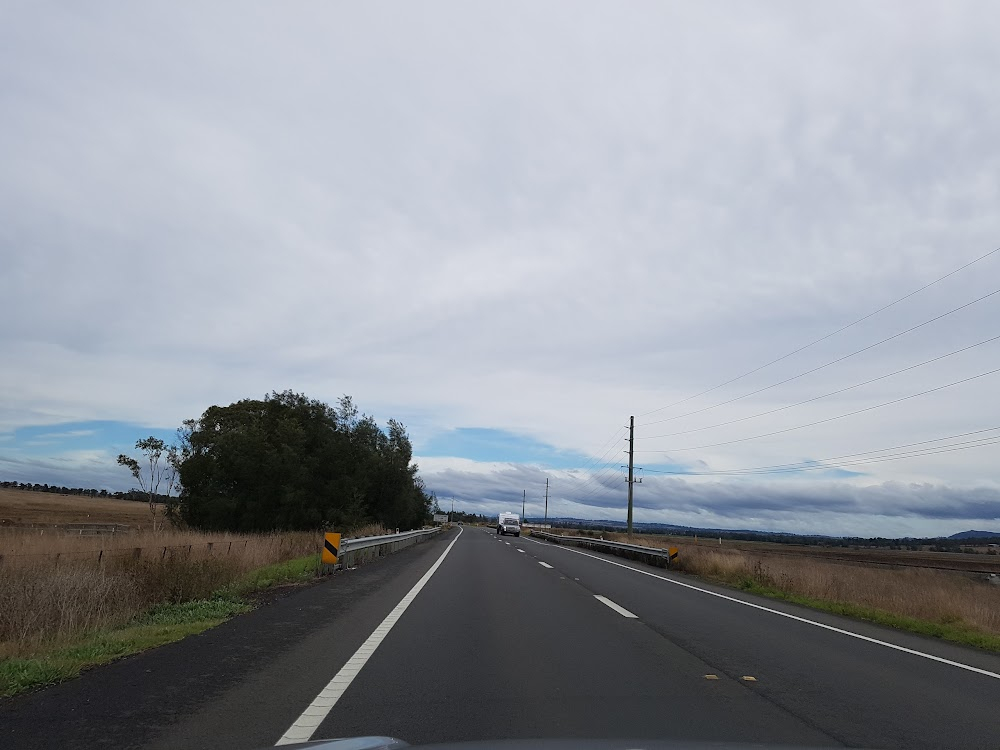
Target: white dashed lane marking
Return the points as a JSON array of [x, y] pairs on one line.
[[617, 608]]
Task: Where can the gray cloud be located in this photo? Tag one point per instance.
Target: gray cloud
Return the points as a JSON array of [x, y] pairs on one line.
[[87, 469], [833, 507], [532, 217]]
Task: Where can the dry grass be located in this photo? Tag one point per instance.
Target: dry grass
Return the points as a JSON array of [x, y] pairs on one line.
[[984, 560], [372, 529], [928, 595], [54, 587], [30, 547], [21, 506]]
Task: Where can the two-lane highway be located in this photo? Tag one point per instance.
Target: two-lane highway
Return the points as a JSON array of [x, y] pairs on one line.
[[860, 684], [474, 636], [499, 646]]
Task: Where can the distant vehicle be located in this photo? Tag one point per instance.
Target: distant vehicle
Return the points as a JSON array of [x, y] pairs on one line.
[[509, 523]]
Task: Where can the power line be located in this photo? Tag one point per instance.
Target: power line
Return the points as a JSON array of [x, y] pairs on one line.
[[824, 338], [829, 419], [595, 475], [827, 462], [595, 490], [593, 461], [600, 473], [827, 395], [824, 366]]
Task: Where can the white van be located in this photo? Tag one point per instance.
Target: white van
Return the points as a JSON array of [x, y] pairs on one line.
[[509, 523]]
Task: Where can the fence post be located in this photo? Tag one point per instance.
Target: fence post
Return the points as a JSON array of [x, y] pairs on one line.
[[100, 557], [164, 553], [230, 548]]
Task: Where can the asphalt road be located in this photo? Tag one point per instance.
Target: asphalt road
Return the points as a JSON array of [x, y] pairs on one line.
[[507, 638]]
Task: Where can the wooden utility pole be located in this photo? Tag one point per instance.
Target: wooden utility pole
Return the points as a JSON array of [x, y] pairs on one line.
[[524, 497], [546, 499], [631, 461]]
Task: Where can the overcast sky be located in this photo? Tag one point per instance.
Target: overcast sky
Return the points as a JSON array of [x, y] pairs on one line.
[[512, 226]]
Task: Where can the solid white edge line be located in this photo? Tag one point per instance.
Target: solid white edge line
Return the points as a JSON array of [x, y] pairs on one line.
[[317, 711], [545, 565], [876, 641], [616, 607]]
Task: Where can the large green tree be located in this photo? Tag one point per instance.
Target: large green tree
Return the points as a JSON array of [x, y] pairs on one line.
[[291, 462]]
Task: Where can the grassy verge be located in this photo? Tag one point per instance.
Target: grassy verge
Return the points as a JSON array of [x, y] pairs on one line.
[[954, 631], [165, 623], [930, 603], [295, 571]]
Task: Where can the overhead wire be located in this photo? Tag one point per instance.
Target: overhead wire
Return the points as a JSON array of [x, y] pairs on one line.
[[827, 395], [823, 366], [824, 421], [823, 338], [593, 461], [607, 487], [598, 474], [839, 462]]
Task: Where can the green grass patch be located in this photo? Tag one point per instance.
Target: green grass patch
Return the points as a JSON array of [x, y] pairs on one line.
[[165, 624], [162, 624], [952, 629], [299, 570]]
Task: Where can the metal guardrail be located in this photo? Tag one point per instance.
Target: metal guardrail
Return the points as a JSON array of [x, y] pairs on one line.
[[652, 555], [367, 548], [660, 557]]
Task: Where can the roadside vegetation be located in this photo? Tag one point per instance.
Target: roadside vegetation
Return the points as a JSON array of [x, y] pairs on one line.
[[950, 606], [69, 602], [289, 462], [955, 607], [257, 483]]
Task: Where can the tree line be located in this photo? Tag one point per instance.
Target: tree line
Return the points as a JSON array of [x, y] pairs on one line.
[[134, 495], [291, 462], [284, 462]]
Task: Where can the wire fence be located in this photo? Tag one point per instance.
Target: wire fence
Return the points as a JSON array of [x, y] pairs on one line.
[[163, 552]]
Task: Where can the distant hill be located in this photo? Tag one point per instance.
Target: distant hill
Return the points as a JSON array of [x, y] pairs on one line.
[[665, 528], [758, 535], [975, 535]]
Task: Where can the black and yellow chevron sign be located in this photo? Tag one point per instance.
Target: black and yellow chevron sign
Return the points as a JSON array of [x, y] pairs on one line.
[[331, 548], [673, 553]]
